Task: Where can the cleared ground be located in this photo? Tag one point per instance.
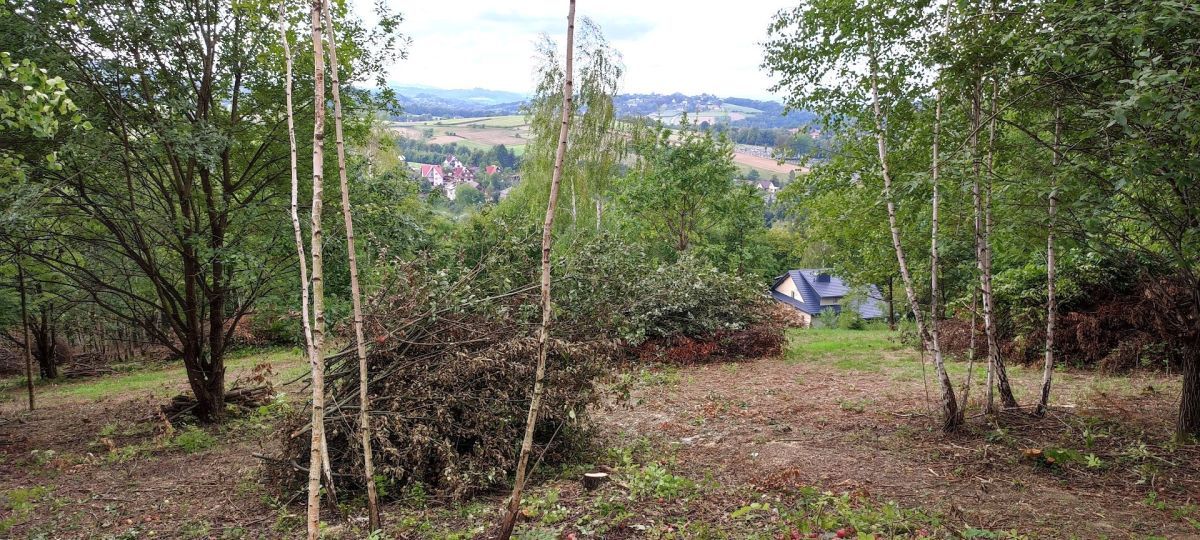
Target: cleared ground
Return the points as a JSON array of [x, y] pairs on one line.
[[835, 434]]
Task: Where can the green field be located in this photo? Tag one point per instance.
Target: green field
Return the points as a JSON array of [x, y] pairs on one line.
[[510, 121]]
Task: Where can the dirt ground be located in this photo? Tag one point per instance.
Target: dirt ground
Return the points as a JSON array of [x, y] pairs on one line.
[[835, 433]]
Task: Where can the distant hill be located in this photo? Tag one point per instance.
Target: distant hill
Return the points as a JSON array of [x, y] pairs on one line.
[[426, 103]]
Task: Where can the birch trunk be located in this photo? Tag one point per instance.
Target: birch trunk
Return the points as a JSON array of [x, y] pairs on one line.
[[316, 362], [1002, 383], [364, 402], [948, 404], [1051, 302], [980, 266], [514, 502], [951, 417]]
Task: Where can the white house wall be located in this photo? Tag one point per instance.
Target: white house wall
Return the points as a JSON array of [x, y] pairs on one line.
[[788, 287]]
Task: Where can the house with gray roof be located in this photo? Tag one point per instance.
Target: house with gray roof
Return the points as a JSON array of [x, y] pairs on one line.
[[810, 291]]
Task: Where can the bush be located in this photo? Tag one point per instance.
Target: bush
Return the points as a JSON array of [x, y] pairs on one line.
[[849, 319], [827, 318]]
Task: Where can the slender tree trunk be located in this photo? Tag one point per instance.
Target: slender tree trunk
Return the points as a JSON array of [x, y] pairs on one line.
[[1051, 302], [970, 377], [316, 362], [1187, 426], [364, 403], [514, 503], [980, 265], [951, 418], [1002, 383], [948, 404], [25, 328], [891, 305], [295, 212]]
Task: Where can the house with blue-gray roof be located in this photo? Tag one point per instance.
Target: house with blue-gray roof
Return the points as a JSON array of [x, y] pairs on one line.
[[810, 291]]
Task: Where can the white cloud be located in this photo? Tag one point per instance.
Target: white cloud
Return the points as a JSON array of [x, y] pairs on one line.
[[668, 46]]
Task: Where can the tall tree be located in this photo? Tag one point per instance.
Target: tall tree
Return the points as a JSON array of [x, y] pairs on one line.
[[514, 502], [317, 449], [364, 403], [25, 351], [161, 214], [1130, 102], [861, 63], [1051, 301]]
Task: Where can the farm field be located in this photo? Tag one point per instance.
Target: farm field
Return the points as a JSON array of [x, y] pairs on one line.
[[765, 166], [832, 435], [475, 133], [485, 132]]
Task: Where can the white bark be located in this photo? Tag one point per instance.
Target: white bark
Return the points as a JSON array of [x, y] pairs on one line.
[[364, 401], [514, 502], [316, 362], [948, 404], [1051, 301]]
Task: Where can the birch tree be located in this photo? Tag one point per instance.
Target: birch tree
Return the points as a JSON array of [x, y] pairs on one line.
[[315, 360], [835, 56], [355, 291], [514, 502], [1051, 302]]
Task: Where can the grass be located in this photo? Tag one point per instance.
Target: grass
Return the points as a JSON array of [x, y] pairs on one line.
[[875, 351], [288, 364]]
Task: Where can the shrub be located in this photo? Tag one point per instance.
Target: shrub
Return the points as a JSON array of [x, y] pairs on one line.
[[849, 319], [827, 318]]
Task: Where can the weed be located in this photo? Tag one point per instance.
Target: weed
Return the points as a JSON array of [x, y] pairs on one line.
[[195, 529], [545, 508], [42, 457], [193, 439], [750, 511], [654, 480], [854, 406], [19, 503]]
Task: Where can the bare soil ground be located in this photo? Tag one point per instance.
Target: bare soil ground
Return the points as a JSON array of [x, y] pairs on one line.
[[834, 435]]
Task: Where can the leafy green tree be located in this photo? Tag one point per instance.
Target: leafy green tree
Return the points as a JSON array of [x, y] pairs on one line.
[[169, 212], [1121, 77], [678, 190], [467, 196]]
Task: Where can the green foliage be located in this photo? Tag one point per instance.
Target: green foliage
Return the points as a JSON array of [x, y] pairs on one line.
[[850, 319], [193, 439], [859, 517], [690, 298], [655, 481], [19, 503], [682, 196]]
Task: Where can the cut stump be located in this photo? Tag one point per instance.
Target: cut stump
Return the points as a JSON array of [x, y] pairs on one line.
[[594, 480]]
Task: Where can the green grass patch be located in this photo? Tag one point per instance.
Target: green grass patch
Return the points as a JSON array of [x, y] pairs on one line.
[[854, 348], [288, 363]]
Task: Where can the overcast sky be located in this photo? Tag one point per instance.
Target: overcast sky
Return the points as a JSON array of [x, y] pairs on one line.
[[668, 45]]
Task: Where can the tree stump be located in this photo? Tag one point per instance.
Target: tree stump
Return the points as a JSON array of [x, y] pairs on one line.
[[594, 480]]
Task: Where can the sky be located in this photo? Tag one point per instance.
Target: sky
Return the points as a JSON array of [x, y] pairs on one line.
[[698, 46]]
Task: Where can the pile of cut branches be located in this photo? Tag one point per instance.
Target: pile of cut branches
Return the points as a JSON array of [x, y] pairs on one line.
[[450, 383]]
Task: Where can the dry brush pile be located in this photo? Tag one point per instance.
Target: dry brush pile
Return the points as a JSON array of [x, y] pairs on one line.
[[452, 357]]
